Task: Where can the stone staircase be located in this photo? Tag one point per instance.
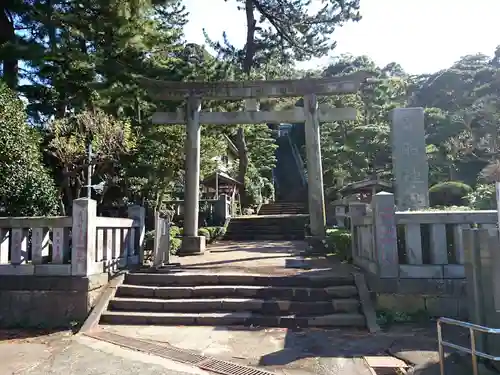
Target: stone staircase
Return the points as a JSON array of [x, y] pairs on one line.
[[261, 228], [283, 208], [289, 183], [156, 298]]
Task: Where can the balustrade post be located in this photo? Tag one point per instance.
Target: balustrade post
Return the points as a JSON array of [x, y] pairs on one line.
[[136, 239], [83, 238], [356, 209], [386, 240]]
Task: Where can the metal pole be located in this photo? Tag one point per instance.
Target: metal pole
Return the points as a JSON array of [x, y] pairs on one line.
[[216, 185], [89, 168], [475, 369], [440, 348]]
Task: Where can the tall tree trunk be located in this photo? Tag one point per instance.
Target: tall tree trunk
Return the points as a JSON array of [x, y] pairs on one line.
[[247, 68], [250, 42], [243, 161], [8, 35]]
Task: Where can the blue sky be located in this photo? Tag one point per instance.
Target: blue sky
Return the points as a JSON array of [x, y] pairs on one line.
[[422, 35]]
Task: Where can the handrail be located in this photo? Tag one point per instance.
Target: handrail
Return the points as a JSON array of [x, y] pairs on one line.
[[472, 351], [298, 159]]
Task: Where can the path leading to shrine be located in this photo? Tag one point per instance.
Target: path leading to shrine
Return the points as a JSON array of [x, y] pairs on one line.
[[183, 350]]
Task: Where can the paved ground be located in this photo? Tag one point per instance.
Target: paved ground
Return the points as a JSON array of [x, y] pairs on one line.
[[286, 352], [307, 351], [263, 257], [282, 351], [63, 353]]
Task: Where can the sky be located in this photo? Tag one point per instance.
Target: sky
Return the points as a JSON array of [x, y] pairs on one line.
[[423, 36]]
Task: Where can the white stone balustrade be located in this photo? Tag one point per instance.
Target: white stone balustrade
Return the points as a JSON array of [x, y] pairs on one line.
[[413, 244], [81, 245]]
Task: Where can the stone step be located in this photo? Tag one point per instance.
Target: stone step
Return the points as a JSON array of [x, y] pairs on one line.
[[265, 223], [263, 237], [276, 219], [264, 307], [291, 207], [265, 231], [195, 279], [281, 212], [225, 319], [264, 228], [284, 206], [241, 291]]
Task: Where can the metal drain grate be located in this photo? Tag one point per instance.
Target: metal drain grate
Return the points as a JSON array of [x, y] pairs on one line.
[[228, 368], [181, 355], [165, 351]]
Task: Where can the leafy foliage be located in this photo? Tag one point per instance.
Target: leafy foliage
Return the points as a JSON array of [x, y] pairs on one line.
[[483, 197], [450, 193], [80, 67], [26, 189]]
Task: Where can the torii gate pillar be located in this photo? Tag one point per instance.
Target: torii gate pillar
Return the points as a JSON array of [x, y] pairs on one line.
[[192, 243], [315, 194]]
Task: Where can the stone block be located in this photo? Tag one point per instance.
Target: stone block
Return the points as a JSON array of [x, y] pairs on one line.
[[221, 319], [449, 287], [454, 271], [242, 305], [420, 272], [192, 245], [338, 320], [47, 301], [401, 303], [463, 309], [135, 291], [442, 306], [173, 292]]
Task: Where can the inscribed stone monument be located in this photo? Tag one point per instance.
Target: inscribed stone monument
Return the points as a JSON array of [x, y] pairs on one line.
[[409, 159]]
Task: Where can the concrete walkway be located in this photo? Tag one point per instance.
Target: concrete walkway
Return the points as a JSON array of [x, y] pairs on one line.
[[260, 257], [62, 353], [282, 351]]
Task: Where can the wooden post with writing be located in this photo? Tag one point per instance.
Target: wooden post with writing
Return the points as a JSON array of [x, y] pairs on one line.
[[386, 241]]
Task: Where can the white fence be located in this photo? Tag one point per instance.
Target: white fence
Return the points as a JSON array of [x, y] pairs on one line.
[[83, 244], [410, 244]]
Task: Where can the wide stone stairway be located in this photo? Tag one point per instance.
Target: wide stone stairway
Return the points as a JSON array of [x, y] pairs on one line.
[[203, 298], [284, 208], [254, 283], [269, 227]]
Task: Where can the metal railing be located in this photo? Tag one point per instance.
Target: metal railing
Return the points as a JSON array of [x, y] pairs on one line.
[[298, 160], [472, 351]]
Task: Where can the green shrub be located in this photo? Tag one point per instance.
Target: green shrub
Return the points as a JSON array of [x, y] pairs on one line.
[[26, 189], [175, 245], [483, 198], [175, 231], [149, 240], [175, 241], [204, 232], [211, 233], [450, 193], [338, 241]]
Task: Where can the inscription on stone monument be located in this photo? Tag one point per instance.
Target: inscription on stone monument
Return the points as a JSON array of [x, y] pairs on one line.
[[57, 245], [409, 159], [81, 242]]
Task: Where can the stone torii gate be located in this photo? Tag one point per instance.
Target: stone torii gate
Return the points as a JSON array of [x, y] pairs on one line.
[[311, 114]]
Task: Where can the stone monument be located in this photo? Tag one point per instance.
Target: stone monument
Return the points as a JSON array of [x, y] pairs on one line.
[[409, 159]]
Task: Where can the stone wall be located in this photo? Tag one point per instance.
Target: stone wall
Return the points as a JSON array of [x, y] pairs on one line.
[[437, 297], [48, 301]]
